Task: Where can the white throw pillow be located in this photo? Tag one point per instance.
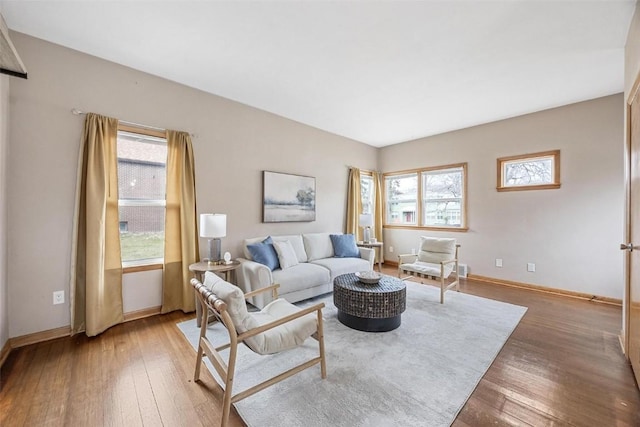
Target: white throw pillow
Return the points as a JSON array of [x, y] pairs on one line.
[[318, 245], [286, 254]]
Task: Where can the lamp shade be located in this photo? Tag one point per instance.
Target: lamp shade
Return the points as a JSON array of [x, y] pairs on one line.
[[213, 225], [366, 220]]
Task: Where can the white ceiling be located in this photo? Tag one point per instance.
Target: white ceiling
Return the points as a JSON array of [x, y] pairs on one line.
[[379, 72]]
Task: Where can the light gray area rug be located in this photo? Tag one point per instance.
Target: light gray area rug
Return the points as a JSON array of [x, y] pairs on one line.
[[420, 374]]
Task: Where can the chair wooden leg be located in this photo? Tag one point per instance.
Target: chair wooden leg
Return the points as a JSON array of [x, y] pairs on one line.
[[196, 375], [320, 333], [203, 333], [441, 290], [228, 384]]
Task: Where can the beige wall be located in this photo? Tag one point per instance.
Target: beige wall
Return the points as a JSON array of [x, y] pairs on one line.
[[4, 144], [234, 143], [571, 234]]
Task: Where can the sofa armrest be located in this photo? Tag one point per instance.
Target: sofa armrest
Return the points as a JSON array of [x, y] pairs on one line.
[[253, 276], [369, 254]]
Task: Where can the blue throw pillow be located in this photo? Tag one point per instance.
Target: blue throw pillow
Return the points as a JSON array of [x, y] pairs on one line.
[[264, 253], [344, 246]]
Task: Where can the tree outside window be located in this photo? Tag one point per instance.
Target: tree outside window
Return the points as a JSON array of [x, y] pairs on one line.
[[538, 171]]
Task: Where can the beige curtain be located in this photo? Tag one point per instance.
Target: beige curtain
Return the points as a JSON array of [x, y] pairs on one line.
[[96, 270], [180, 233], [378, 213], [354, 203]]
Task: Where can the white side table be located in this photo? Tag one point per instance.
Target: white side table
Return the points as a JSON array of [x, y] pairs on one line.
[[374, 246]]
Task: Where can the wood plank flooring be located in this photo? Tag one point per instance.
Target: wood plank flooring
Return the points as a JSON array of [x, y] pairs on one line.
[[561, 366]]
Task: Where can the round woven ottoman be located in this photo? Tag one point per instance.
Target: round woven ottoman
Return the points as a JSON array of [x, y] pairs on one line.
[[369, 307]]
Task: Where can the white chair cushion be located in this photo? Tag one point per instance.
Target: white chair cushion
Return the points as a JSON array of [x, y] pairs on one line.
[[435, 250], [286, 254], [234, 298], [318, 245], [427, 268], [285, 336]]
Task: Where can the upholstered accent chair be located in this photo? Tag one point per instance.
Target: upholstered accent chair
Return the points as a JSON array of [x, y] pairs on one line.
[[436, 260], [278, 327]]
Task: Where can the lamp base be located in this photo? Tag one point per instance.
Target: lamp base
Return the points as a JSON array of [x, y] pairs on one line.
[[366, 235], [215, 250]]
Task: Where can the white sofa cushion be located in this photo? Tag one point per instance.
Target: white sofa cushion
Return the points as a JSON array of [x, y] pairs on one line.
[[435, 250], [286, 254], [338, 266], [295, 239], [301, 276], [318, 245]]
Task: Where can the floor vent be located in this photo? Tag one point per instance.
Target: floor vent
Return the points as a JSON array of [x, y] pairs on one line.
[[462, 270]]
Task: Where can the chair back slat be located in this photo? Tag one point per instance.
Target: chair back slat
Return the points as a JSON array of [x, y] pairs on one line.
[[211, 300]]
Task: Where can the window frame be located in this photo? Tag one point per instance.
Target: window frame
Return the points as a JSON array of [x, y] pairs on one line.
[[420, 223], [146, 264], [502, 161]]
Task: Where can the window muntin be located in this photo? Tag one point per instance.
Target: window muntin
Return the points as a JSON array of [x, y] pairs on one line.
[[402, 199], [142, 197], [428, 198], [529, 171]]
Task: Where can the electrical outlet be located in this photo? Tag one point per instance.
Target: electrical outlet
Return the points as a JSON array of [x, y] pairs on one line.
[[391, 249], [531, 267], [58, 297], [498, 262], [413, 251]]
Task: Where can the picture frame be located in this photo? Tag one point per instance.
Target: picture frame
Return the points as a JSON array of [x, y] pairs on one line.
[[288, 197]]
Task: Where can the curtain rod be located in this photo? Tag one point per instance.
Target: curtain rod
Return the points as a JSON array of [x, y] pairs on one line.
[[78, 112]]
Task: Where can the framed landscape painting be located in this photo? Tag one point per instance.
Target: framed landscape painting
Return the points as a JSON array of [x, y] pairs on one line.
[[288, 198]]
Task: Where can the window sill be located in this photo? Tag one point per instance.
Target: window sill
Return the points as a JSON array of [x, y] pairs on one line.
[[530, 187], [418, 227], [136, 267]]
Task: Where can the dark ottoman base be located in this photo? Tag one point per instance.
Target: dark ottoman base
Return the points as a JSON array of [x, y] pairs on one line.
[[369, 325]]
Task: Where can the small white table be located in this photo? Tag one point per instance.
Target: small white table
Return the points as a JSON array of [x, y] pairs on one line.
[[374, 246]]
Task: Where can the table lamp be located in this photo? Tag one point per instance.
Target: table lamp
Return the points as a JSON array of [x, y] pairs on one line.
[[213, 227], [366, 221]]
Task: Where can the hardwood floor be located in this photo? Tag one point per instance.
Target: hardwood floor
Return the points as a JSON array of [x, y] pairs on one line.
[[561, 366]]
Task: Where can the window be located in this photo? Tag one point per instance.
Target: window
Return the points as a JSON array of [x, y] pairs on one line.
[[367, 193], [142, 163], [538, 171], [442, 197], [427, 198], [402, 199]]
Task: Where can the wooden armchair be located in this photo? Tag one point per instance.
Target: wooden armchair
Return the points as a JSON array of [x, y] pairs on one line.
[[278, 327], [436, 260]]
